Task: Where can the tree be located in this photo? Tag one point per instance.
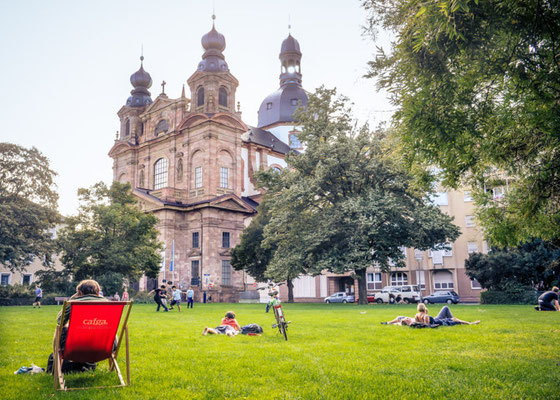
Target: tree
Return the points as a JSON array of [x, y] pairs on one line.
[[534, 264], [344, 204], [476, 84], [28, 206], [110, 239]]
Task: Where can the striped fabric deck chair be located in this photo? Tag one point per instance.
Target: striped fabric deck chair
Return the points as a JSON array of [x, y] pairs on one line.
[[92, 329]]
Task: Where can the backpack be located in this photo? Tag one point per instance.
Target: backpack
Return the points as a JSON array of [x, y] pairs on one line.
[[251, 328]]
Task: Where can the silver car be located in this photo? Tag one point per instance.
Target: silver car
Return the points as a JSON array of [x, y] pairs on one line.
[[340, 297]]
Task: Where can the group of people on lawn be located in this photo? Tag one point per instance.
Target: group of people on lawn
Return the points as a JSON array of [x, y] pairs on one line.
[[161, 296]]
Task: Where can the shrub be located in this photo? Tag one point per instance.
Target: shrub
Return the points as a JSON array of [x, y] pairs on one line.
[[140, 297], [17, 290], [511, 296]]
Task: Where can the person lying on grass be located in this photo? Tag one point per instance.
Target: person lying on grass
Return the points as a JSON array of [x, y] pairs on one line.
[[229, 326], [400, 320], [443, 318]]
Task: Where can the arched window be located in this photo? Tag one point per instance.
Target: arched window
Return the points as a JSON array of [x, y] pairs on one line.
[[200, 97], [222, 97], [127, 128], [160, 173], [161, 127], [180, 170]]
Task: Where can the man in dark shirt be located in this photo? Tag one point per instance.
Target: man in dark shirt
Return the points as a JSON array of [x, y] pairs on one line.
[[158, 294], [549, 301]]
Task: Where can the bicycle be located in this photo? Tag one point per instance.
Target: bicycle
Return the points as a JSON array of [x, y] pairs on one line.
[[276, 305]]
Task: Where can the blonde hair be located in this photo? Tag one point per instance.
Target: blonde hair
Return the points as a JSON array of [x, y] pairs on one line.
[[422, 308]]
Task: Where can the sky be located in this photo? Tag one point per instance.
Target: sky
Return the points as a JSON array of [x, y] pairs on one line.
[[65, 66]]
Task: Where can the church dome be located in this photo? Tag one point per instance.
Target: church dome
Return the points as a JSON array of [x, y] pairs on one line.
[[214, 40], [290, 45], [280, 105], [142, 81]]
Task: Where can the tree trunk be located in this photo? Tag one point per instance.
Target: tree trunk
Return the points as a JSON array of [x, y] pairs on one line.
[[362, 286], [290, 290]]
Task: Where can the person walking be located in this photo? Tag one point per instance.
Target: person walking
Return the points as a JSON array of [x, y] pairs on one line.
[[38, 296], [125, 295], [190, 298]]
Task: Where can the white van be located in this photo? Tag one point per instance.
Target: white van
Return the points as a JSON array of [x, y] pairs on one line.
[[405, 293]]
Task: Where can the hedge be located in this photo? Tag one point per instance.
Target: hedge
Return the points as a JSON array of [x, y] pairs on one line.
[[516, 296]]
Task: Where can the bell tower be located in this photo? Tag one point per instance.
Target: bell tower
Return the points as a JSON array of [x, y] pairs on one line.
[[212, 85]]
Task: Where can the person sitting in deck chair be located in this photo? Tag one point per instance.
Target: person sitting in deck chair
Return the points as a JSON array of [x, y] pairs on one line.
[[87, 290]]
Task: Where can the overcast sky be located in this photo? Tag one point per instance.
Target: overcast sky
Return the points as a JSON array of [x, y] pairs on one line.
[[65, 66]]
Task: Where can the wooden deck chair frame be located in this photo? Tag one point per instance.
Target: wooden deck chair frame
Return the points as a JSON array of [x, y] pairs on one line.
[[59, 381]]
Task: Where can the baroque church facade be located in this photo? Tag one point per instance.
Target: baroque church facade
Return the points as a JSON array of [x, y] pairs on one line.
[[191, 161]]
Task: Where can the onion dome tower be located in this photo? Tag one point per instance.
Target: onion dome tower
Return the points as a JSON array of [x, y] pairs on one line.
[[142, 81], [212, 85], [279, 106]]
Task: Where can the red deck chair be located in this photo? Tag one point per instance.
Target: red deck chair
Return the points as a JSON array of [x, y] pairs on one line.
[[92, 329]]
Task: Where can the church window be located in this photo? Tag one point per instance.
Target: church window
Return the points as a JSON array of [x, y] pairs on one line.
[[198, 177], [224, 177], [141, 129], [268, 106], [222, 97], [141, 179], [180, 170], [161, 127], [294, 102], [195, 240], [160, 173], [276, 170], [294, 141], [195, 268], [225, 240], [127, 128], [226, 273], [200, 97], [283, 69]]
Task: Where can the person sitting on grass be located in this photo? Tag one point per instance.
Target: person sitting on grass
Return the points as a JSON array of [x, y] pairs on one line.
[[548, 301], [400, 320], [229, 326], [443, 318]]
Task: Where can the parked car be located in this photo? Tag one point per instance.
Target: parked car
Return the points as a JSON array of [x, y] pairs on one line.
[[340, 297], [370, 297], [407, 293], [442, 296]]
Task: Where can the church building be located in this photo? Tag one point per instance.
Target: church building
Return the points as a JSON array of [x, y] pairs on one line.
[[191, 161]]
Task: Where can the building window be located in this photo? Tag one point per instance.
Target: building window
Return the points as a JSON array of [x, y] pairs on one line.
[[421, 279], [472, 247], [469, 221], [127, 128], [443, 280], [141, 179], [269, 106], [26, 279], [5, 279], [198, 177], [226, 273], [195, 240], [475, 284], [160, 173], [374, 281], [276, 169], [294, 102], [180, 170], [448, 251], [440, 198], [161, 127], [294, 141], [222, 97], [224, 177], [399, 278], [195, 268], [467, 196], [225, 240], [200, 97], [498, 193]]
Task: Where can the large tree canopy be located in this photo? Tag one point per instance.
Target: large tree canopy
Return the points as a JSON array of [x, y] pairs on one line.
[[110, 236], [477, 89], [344, 204], [28, 206]]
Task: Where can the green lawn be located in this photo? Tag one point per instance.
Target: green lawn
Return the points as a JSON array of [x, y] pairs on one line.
[[333, 352]]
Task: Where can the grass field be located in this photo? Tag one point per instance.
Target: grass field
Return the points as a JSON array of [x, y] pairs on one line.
[[333, 352]]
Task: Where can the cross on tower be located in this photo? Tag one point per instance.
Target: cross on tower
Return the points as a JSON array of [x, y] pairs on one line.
[[163, 87]]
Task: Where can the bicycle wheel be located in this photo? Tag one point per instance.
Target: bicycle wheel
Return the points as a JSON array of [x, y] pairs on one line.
[[284, 329], [278, 321]]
